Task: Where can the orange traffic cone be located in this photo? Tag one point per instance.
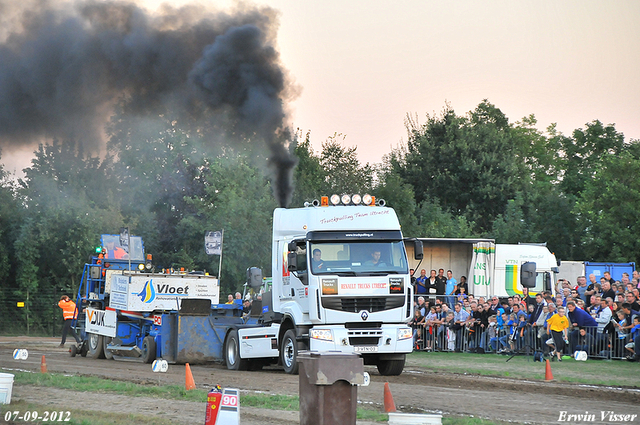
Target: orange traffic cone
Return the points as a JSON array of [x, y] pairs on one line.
[[389, 404], [189, 383], [43, 365], [548, 376]]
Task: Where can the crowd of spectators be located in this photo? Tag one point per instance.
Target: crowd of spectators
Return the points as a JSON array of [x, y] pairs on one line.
[[598, 316]]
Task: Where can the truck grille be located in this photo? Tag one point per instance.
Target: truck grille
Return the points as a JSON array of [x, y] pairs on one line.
[[355, 305], [364, 336]]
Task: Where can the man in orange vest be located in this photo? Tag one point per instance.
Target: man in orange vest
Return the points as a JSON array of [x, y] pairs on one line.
[[68, 313], [115, 252]]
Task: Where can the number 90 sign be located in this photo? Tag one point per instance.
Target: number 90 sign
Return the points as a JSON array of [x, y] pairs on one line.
[[229, 400]]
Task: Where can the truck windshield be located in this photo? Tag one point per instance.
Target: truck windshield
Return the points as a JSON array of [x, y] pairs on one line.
[[119, 249], [358, 258]]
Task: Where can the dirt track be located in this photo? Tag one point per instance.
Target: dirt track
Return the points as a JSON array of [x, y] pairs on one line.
[[416, 390]]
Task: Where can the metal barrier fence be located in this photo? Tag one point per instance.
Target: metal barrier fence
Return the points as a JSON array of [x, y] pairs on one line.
[[525, 340], [513, 339]]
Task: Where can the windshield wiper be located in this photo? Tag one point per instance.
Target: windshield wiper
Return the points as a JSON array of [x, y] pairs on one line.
[[347, 273], [337, 272]]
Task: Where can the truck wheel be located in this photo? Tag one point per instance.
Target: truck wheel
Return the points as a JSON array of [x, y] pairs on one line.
[[289, 352], [95, 349], [148, 349], [391, 367], [106, 340], [232, 352]]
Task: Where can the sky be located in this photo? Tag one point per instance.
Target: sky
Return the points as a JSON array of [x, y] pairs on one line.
[[362, 66]]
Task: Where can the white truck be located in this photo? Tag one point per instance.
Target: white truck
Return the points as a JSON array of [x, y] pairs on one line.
[[340, 282], [490, 268]]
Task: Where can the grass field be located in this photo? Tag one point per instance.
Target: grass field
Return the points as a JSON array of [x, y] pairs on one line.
[[593, 372], [176, 392], [83, 417]]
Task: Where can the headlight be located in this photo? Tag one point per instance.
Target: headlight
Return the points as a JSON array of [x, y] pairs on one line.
[[323, 334], [404, 333]]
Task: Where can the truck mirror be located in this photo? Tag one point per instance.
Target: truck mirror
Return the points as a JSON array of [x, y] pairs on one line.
[[418, 251], [292, 260], [254, 277], [547, 281], [292, 246], [528, 275]]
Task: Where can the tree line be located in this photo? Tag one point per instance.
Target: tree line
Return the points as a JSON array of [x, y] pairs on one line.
[[171, 180]]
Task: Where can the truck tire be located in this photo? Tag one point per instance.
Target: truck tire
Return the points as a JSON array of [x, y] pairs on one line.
[[232, 352], [289, 352], [148, 349], [95, 348], [391, 367], [106, 340]]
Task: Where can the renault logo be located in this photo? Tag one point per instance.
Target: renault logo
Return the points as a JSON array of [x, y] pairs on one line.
[[364, 314]]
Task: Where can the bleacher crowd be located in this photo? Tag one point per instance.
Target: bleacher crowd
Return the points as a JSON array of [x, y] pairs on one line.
[[599, 317]]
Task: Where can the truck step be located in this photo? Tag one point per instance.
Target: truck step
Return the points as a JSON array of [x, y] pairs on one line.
[[125, 350]]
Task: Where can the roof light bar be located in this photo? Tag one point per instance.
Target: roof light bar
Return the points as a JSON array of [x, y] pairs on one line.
[[346, 199]]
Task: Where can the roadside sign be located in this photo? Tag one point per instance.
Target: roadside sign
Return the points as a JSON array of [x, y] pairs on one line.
[[229, 413], [367, 379], [20, 354], [159, 366]]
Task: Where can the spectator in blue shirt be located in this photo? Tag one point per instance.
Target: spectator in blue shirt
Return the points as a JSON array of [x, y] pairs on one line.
[[509, 337], [582, 287], [518, 311], [635, 336], [579, 319], [450, 288], [460, 316], [421, 282]]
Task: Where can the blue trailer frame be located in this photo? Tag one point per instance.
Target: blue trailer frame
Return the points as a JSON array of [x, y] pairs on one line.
[[176, 336]]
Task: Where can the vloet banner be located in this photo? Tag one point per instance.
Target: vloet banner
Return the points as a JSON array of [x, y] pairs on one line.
[[151, 293]]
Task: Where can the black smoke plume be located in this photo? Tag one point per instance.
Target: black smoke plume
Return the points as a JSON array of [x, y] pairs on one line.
[[63, 67]]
